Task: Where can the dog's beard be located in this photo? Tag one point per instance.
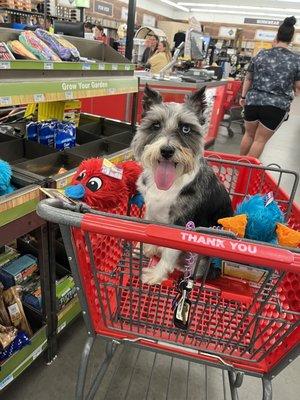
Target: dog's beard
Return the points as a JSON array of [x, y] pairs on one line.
[[167, 171]]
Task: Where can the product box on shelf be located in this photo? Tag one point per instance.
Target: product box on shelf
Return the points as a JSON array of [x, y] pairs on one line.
[[18, 271]]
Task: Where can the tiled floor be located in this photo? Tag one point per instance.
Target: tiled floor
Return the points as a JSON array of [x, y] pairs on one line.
[[131, 374]]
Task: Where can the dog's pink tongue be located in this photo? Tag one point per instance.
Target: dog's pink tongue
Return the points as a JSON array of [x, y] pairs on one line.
[[165, 175]]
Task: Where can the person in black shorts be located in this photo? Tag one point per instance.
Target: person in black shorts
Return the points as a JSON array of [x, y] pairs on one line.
[[272, 80]]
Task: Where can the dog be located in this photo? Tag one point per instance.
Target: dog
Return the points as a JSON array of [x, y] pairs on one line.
[[177, 184]]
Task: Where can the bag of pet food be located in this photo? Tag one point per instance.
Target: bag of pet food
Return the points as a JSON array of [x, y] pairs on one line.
[[4, 318], [20, 50], [15, 309], [66, 51], [36, 46], [7, 335]]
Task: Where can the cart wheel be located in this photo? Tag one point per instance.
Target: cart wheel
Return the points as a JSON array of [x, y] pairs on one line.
[[230, 133]]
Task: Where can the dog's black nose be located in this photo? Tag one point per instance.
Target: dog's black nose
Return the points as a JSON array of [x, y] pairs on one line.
[[167, 152]]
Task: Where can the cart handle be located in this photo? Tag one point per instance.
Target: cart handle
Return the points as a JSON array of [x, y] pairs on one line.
[[237, 250]]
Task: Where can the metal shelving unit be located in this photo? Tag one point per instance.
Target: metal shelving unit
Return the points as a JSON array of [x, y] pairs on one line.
[[23, 82]]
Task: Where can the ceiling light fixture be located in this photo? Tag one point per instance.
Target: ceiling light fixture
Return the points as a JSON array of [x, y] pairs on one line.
[[171, 3], [244, 13], [230, 6]]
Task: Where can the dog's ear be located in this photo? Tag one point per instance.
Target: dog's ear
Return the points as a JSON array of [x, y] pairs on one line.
[[197, 102], [150, 98]]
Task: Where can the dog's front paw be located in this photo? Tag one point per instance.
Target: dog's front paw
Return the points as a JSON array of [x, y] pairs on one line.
[[149, 250], [153, 276]]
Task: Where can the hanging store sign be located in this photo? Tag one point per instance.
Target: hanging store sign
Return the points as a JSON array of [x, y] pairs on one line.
[[266, 36], [124, 14], [227, 32], [102, 7], [260, 21], [149, 20]]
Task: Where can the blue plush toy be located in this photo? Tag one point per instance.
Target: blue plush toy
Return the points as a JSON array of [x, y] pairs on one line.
[[263, 215], [5, 178]]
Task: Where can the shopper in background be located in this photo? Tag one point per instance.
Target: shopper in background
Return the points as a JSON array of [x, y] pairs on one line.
[[272, 80], [151, 44], [88, 31], [99, 33], [161, 58]]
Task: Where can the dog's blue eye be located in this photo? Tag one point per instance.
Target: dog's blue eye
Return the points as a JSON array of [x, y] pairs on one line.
[[156, 126], [185, 129]]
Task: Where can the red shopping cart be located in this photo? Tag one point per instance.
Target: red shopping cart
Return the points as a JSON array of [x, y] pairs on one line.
[[232, 111], [235, 324]]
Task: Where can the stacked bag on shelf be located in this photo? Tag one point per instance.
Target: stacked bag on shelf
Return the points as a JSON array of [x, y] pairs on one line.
[[60, 135], [44, 46]]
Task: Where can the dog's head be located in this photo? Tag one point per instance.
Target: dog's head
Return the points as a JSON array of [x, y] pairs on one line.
[[169, 139]]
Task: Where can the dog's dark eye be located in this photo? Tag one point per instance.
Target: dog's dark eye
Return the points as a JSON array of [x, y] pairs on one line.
[[185, 128], [156, 126], [94, 184], [81, 175]]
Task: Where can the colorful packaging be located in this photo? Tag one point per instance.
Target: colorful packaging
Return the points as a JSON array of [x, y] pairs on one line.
[[32, 131], [46, 134], [18, 270], [37, 47], [15, 309], [64, 49]]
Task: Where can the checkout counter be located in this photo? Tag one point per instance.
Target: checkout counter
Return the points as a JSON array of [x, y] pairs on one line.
[[173, 88], [119, 107]]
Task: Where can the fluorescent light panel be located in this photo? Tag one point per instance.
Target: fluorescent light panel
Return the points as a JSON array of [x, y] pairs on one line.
[[240, 7], [171, 3], [245, 13]]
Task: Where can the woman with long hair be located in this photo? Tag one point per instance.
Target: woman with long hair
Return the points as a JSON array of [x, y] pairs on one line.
[[161, 58], [272, 80]]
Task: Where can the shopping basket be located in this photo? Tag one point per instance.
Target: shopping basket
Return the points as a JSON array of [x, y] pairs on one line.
[[237, 325]]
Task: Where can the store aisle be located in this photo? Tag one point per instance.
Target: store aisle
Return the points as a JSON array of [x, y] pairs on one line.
[[132, 368]]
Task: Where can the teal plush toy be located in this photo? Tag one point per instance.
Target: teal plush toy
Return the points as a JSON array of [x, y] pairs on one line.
[[5, 178]]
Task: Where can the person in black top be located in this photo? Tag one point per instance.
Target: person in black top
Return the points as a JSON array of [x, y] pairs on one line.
[[272, 81], [151, 47]]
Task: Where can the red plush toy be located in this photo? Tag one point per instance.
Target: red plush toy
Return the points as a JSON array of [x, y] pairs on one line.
[[103, 185]]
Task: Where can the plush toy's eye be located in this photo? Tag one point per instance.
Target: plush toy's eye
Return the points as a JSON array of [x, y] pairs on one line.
[[156, 126], [81, 175], [186, 129], [94, 184]]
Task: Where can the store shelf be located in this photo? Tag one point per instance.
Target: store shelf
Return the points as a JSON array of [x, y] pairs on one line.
[[71, 311], [21, 12], [18, 362], [18, 204], [15, 92], [65, 66]]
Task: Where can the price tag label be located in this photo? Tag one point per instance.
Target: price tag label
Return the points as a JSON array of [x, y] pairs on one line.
[[37, 352], [112, 90], [5, 65], [9, 378], [5, 101], [101, 67], [61, 327], [69, 95], [39, 97], [114, 67], [127, 67], [86, 66], [48, 65]]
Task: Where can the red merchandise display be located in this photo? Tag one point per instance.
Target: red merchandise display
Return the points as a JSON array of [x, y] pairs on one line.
[[119, 107]]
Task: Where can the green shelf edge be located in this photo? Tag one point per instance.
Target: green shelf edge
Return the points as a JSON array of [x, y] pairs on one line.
[[22, 359], [17, 212], [65, 66], [69, 316], [55, 89]]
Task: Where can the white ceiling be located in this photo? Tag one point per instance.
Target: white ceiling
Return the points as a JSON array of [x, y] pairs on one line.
[[231, 10]]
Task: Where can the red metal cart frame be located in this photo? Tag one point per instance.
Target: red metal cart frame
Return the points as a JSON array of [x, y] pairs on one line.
[[237, 325]]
